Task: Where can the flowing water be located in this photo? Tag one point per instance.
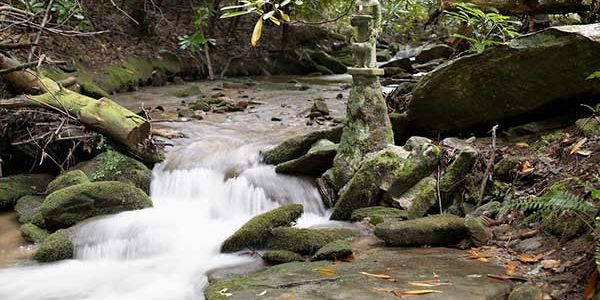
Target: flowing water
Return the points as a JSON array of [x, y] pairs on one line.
[[210, 184]]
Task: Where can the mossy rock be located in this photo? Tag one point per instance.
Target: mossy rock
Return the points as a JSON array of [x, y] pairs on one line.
[[14, 187], [588, 126], [275, 257], [479, 233], [202, 104], [526, 291], [33, 233], [455, 173], [187, 91], [28, 208], [378, 214], [299, 145], [73, 204], [256, 232], [327, 62], [57, 246], [333, 251], [114, 166], [90, 89], [67, 179], [315, 162], [306, 241], [419, 199], [433, 230]]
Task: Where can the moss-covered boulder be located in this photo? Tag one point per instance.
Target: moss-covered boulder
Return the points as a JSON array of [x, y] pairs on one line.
[[306, 241], [526, 291], [76, 203], [14, 187], [57, 246], [275, 257], [315, 162], [333, 251], [67, 179], [256, 232], [327, 61], [28, 208], [465, 95], [432, 230], [299, 145], [455, 174], [588, 126], [114, 166], [33, 233], [378, 214], [393, 170], [419, 199], [479, 233]]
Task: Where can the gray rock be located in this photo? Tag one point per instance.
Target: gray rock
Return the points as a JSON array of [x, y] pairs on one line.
[[432, 230], [299, 145], [526, 291], [529, 244], [14, 187], [28, 208], [314, 163], [431, 52], [320, 107]]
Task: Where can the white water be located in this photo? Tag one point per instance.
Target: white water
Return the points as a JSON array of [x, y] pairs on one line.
[[201, 195]]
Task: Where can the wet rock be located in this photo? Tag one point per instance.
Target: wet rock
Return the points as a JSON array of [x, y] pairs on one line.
[[328, 61], [114, 166], [588, 126], [186, 113], [33, 233], [526, 291], [306, 241], [431, 52], [315, 162], [73, 204], [178, 80], [432, 230], [187, 91], [28, 208], [333, 251], [202, 104], [299, 145], [479, 233], [14, 187], [464, 95], [67, 179], [378, 214], [319, 108], [256, 232], [275, 257], [403, 62], [57, 246], [395, 72], [529, 244], [428, 66], [383, 55]]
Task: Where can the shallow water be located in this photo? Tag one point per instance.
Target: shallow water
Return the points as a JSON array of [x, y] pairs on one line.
[[210, 184]]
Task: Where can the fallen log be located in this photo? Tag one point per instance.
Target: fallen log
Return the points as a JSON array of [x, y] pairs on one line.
[[522, 7]]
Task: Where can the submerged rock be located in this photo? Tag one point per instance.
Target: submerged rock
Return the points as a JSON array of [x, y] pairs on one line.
[[33, 233], [465, 94], [378, 214], [67, 179], [28, 208], [14, 187], [314, 163], [432, 230], [299, 145], [57, 246], [276, 257], [333, 251], [256, 232], [306, 240], [73, 204]]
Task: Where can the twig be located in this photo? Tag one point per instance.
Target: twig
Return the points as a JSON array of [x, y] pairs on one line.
[[12, 46], [488, 168], [437, 187], [29, 65], [39, 33], [124, 12]]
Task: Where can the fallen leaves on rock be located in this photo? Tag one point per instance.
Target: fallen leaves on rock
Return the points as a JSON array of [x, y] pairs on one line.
[[401, 294], [530, 258], [325, 271], [380, 276]]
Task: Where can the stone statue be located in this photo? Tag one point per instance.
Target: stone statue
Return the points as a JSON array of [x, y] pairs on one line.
[[368, 23]]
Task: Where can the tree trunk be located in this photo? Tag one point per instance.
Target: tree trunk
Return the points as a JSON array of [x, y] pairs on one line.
[[523, 7]]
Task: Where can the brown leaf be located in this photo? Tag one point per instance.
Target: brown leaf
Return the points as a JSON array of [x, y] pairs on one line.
[[590, 287], [382, 289], [429, 283], [325, 271], [577, 146], [510, 268], [381, 276], [399, 293], [287, 296], [503, 277], [525, 167], [530, 258], [349, 258], [550, 263], [522, 145]]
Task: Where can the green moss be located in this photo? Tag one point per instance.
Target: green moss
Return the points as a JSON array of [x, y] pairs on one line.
[[73, 204], [526, 291], [306, 240], [27, 207], [456, 172], [433, 230], [256, 232], [333, 251], [546, 140], [187, 91], [90, 89], [33, 233], [299, 145], [425, 199], [276, 257], [67, 179], [588, 126], [377, 214], [14, 187], [57, 246]]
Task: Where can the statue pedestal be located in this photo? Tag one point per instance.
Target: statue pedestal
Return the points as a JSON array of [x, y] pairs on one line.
[[366, 71]]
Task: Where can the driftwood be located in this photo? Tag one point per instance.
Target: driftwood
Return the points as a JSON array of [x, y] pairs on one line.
[[523, 7]]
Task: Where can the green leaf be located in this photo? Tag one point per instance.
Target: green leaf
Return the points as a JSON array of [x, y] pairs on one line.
[[256, 33], [596, 194], [234, 14], [595, 75]]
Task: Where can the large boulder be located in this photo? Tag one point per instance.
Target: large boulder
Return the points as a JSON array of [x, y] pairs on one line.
[[322, 58], [73, 204], [67, 179], [306, 240], [299, 145], [256, 232], [429, 52], [28, 209], [114, 166], [432, 230], [314, 163], [57, 246], [533, 75], [14, 187]]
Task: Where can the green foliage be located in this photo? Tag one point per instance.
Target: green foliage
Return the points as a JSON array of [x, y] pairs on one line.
[[404, 17], [63, 11], [197, 40], [595, 75], [483, 29]]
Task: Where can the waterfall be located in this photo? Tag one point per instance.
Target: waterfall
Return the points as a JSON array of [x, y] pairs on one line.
[[201, 194]]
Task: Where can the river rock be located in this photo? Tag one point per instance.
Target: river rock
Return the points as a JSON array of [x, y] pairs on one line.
[[431, 52], [419, 199], [432, 230], [256, 232], [328, 61], [333, 251], [526, 291], [319, 108], [316, 161], [76, 203], [378, 214], [509, 82], [306, 240], [14, 187], [455, 174], [588, 126], [114, 166], [67, 179], [479, 233], [57, 246], [393, 170], [28, 208], [33, 234], [275, 257], [398, 62], [297, 146]]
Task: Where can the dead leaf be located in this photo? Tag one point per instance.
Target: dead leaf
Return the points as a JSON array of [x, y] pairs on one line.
[[483, 259], [399, 293], [577, 146], [429, 283], [529, 258], [382, 289], [325, 271], [510, 268], [262, 293], [522, 145], [550, 263], [349, 258], [584, 152], [590, 287], [503, 277], [525, 167], [381, 276], [287, 296]]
